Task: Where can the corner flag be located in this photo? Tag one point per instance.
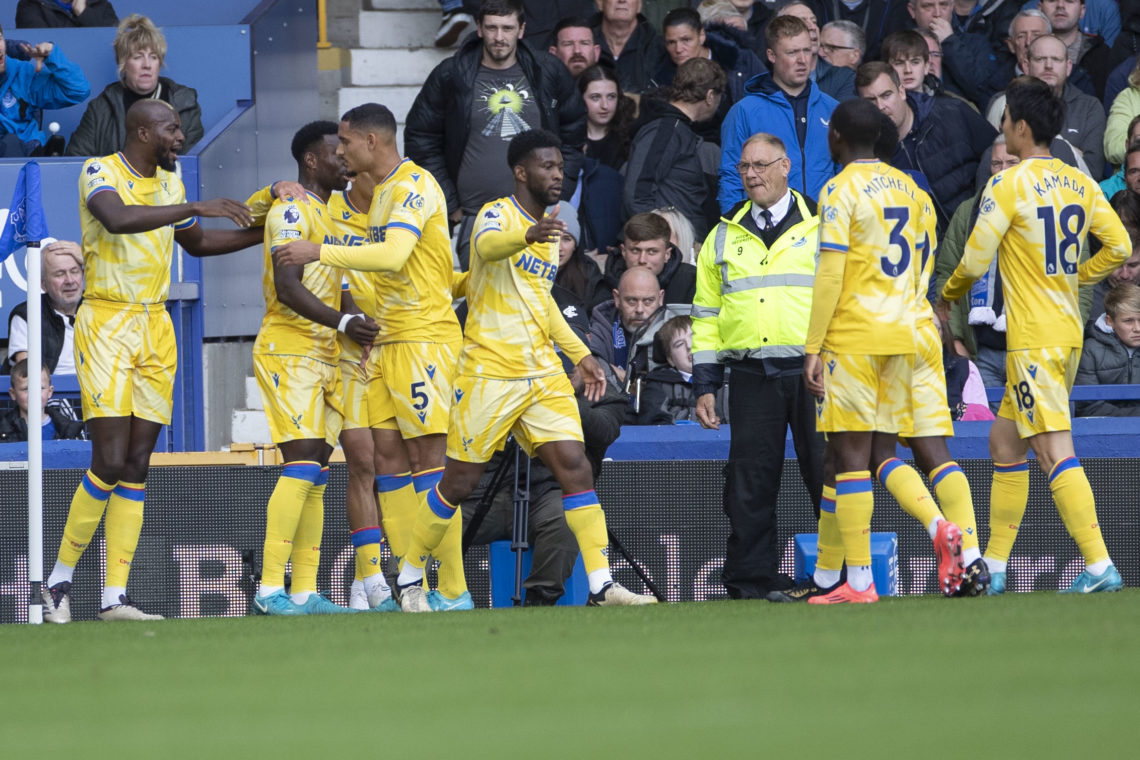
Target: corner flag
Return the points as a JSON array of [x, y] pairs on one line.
[[26, 214]]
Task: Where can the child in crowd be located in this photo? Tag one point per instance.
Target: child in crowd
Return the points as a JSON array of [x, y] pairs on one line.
[[14, 422], [1109, 356]]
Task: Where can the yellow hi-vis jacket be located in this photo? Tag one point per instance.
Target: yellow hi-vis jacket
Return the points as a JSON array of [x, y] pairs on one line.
[[752, 302]]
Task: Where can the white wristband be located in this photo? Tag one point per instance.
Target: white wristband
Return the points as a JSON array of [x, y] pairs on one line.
[[345, 320]]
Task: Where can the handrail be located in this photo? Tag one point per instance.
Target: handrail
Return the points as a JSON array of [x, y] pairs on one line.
[[322, 26]]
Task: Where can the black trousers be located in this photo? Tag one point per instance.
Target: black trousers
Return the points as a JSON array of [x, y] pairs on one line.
[[761, 410]]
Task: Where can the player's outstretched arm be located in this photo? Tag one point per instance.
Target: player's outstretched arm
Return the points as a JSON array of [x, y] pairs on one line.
[[122, 219], [389, 256]]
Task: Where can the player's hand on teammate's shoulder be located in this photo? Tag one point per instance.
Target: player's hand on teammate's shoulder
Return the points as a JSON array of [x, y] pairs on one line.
[[548, 229], [289, 190], [362, 329], [236, 211], [296, 253], [593, 377]]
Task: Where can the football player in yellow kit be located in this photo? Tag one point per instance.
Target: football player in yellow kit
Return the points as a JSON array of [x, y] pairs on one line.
[[1035, 217], [132, 207]]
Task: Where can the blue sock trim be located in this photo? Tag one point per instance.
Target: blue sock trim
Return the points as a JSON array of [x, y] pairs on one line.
[[847, 487], [366, 536], [94, 491], [133, 494], [885, 469], [827, 505], [438, 506], [1068, 463], [427, 480], [579, 500], [390, 483], [310, 471], [943, 473], [1022, 466]]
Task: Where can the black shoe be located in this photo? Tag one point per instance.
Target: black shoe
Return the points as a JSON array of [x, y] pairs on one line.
[[801, 592], [975, 579], [453, 25]]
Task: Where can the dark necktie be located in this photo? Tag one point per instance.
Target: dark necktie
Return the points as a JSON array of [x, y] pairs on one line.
[[766, 215]]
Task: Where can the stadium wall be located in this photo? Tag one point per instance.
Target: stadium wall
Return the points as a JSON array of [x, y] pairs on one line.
[[205, 525]]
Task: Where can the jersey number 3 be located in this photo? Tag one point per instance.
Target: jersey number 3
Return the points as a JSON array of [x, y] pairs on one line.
[[1057, 259], [900, 215]]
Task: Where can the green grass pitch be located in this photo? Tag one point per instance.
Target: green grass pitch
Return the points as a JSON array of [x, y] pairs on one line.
[[1021, 676]]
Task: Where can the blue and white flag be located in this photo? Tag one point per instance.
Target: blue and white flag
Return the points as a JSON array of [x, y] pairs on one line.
[[26, 214]]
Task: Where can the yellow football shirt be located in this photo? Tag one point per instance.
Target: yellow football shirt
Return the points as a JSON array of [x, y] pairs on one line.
[[284, 331], [351, 224], [414, 302], [511, 315], [134, 267], [925, 311], [1035, 217], [873, 215]]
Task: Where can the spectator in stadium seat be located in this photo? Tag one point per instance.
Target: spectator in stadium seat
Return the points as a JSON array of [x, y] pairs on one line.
[[62, 277], [14, 423], [979, 72], [1127, 207], [836, 81], [646, 244], [1085, 121], [667, 396], [912, 55], [494, 87], [786, 103], [971, 33], [1087, 51], [682, 236], [1121, 117], [669, 165], [609, 116], [47, 80], [755, 274], [140, 52], [1101, 17], [629, 44], [1116, 183], [876, 18], [574, 45], [943, 138], [622, 330], [686, 39], [842, 43], [1110, 355], [54, 14]]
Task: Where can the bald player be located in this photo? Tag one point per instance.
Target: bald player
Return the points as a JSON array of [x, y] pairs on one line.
[[132, 207]]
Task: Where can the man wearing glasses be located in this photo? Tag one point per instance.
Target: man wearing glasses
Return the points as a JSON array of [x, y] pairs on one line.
[[755, 275], [841, 43]]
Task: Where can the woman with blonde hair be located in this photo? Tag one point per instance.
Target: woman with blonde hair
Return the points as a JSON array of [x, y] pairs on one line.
[[140, 51]]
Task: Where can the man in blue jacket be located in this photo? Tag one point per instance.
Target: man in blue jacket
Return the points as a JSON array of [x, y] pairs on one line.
[[787, 104], [47, 80]]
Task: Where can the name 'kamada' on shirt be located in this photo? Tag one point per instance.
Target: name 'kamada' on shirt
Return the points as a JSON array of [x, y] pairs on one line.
[[1052, 181]]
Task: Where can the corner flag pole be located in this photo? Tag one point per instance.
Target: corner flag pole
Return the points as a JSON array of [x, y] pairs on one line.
[[25, 226], [35, 440]]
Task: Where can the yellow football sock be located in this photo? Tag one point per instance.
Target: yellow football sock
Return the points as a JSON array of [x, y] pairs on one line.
[[451, 580], [432, 521], [1009, 493], [307, 541], [399, 504], [905, 484], [588, 523], [1074, 499], [282, 515], [953, 492], [124, 524], [854, 503], [83, 517], [366, 544], [829, 553]]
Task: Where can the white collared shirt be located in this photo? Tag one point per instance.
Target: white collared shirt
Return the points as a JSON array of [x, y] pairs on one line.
[[778, 210]]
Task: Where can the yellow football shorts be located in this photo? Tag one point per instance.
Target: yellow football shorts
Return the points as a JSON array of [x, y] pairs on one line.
[[537, 410], [302, 397], [865, 392], [410, 385], [125, 360], [358, 414], [1037, 386], [930, 411]]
